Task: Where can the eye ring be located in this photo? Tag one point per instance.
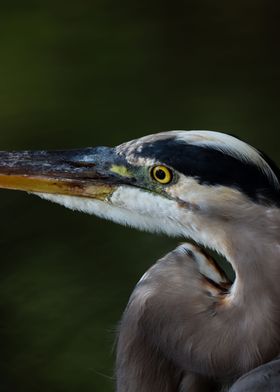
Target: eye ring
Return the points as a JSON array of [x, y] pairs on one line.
[[162, 174]]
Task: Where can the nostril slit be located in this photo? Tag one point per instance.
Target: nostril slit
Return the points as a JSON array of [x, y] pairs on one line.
[[80, 164]]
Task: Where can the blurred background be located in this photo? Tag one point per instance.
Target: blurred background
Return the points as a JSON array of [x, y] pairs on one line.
[[76, 74]]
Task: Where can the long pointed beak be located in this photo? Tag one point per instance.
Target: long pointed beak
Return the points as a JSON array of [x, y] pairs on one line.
[[86, 172]]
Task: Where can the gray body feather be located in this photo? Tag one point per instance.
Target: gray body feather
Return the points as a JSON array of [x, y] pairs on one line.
[[265, 378], [176, 335]]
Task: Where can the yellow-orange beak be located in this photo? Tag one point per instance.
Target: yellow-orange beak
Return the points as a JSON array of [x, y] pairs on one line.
[[84, 173]]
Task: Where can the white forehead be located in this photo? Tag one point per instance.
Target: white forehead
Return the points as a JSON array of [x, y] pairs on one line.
[[223, 142]]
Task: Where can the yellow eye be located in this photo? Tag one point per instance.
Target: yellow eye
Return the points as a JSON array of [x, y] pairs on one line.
[[162, 174]]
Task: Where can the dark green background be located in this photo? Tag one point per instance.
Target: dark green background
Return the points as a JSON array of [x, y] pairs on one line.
[[83, 73]]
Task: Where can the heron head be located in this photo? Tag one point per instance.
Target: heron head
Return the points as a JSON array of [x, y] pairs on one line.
[[169, 182]]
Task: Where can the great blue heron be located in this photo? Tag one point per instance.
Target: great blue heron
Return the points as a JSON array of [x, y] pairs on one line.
[[187, 327]]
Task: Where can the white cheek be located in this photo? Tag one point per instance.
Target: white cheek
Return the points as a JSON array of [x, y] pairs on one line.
[[128, 206], [143, 202], [142, 210]]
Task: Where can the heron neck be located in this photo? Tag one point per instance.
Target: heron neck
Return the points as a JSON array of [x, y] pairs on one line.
[[252, 306], [256, 261], [251, 243]]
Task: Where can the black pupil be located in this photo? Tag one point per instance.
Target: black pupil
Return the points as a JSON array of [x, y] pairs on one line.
[[160, 174]]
